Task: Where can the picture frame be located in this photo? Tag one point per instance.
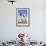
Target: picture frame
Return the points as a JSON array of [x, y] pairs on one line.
[[23, 17]]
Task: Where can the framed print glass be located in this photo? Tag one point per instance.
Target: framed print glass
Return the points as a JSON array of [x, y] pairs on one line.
[[22, 17]]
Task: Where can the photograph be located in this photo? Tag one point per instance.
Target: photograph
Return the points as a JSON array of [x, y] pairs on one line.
[[22, 17]]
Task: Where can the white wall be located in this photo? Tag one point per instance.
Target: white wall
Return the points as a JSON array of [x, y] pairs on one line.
[[8, 29]]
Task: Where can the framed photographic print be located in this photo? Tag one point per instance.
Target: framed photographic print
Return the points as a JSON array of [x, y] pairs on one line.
[[22, 17]]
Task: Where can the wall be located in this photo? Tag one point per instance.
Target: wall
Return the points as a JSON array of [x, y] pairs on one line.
[[8, 29]]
